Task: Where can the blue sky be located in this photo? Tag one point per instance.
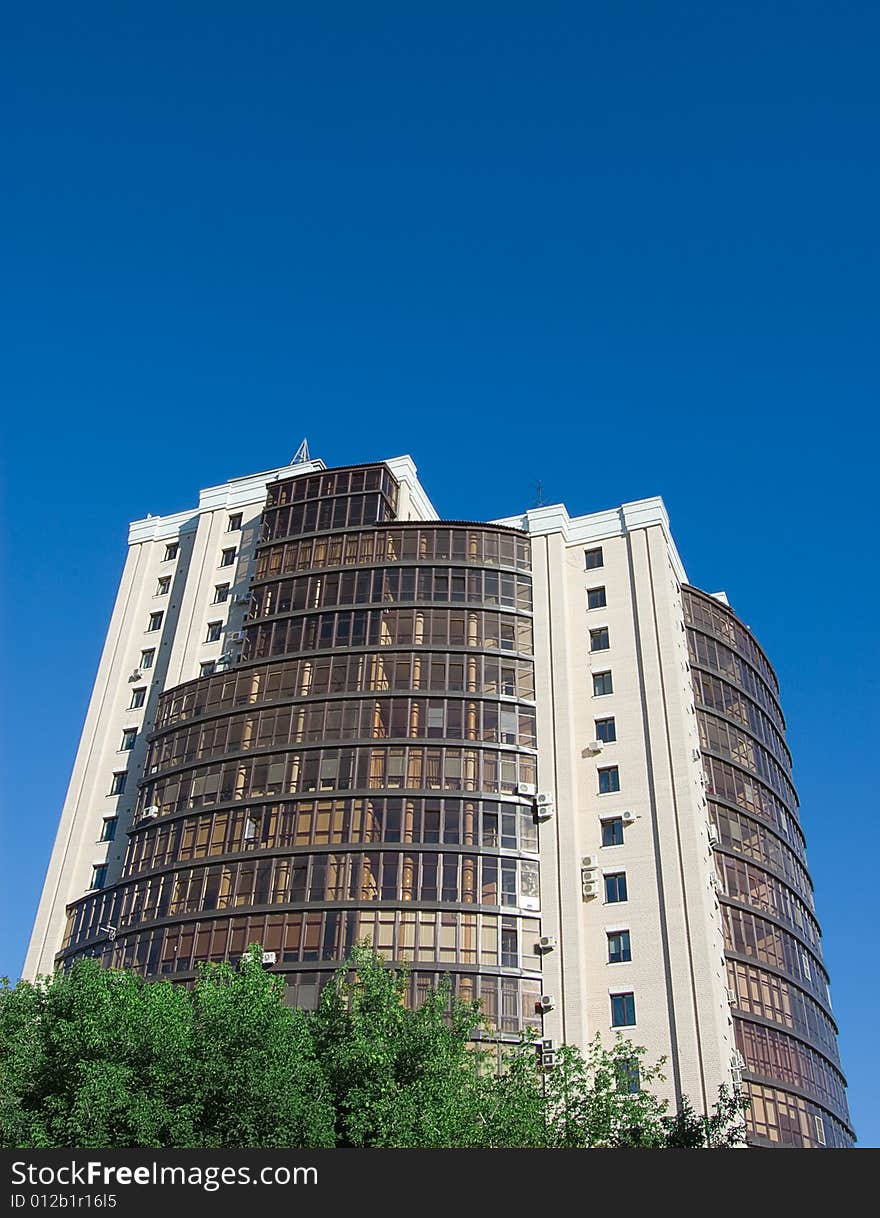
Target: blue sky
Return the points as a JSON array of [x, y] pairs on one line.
[[624, 250]]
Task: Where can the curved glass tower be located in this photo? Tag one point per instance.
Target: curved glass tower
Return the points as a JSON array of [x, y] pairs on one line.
[[779, 987], [354, 775]]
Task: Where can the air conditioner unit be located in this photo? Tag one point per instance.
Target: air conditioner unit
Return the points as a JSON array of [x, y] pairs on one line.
[[527, 788], [595, 746], [270, 957], [546, 943], [589, 862], [544, 799], [241, 598], [235, 637], [713, 835], [545, 1002], [731, 997], [548, 1060], [589, 889], [543, 811], [150, 813], [136, 675], [628, 817], [737, 1061]]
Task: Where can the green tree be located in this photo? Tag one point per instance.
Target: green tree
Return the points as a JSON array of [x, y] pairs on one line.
[[723, 1127], [95, 1057], [399, 1077], [101, 1058]]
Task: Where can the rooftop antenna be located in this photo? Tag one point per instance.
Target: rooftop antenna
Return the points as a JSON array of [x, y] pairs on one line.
[[301, 456], [540, 502]]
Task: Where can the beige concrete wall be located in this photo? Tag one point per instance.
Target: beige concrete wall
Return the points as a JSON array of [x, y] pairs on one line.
[[676, 973]]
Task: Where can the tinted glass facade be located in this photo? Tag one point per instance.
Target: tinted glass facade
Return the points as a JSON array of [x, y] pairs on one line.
[[779, 987], [355, 774]]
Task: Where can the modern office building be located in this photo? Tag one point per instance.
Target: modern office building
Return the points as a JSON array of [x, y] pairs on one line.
[[524, 754]]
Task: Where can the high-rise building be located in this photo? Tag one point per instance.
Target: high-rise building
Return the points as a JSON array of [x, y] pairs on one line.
[[524, 754]]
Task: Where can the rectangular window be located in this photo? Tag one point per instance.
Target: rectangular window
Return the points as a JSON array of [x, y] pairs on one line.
[[596, 598], [602, 684], [234, 522], [615, 888], [129, 736], [599, 639], [221, 593], [593, 558], [618, 947], [155, 621], [171, 551], [138, 697], [108, 832], [623, 1010], [609, 780], [606, 730], [164, 585], [207, 669], [820, 1130], [227, 558], [147, 658], [213, 634], [99, 876], [612, 831], [628, 1078], [117, 786]]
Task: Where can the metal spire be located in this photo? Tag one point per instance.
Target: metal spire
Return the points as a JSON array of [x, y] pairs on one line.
[[302, 454]]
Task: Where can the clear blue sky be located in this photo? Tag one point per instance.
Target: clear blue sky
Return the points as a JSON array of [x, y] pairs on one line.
[[624, 249]]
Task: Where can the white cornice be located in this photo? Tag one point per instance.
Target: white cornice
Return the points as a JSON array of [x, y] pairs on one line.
[[404, 470], [617, 522], [163, 528]]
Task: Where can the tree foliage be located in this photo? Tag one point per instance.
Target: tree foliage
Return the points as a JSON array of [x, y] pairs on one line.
[[101, 1058]]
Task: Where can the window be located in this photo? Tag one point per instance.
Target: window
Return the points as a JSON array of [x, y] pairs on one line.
[[612, 831], [227, 557], [623, 1010], [602, 684], [221, 593], [606, 731], [593, 558], [147, 658], [615, 888], [820, 1130], [99, 876], [117, 786], [234, 522], [109, 830], [137, 697], [596, 598], [129, 736], [609, 780], [618, 947], [207, 669], [155, 621], [171, 551], [213, 634], [599, 639], [628, 1078], [163, 586]]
